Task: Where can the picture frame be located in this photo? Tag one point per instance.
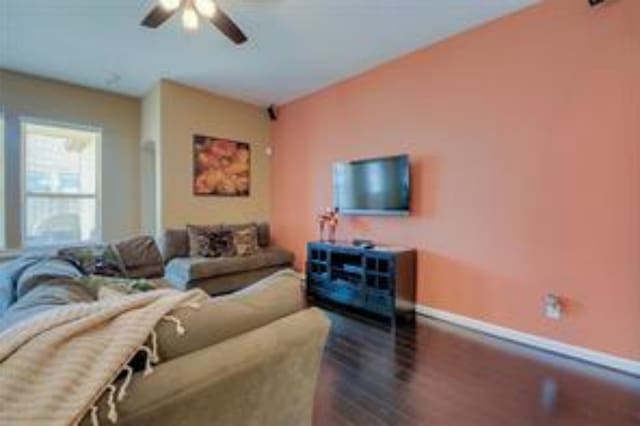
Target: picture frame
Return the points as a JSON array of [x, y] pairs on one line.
[[221, 167]]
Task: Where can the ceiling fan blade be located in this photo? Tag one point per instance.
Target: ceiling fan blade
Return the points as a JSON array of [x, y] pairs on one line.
[[157, 17], [229, 28]]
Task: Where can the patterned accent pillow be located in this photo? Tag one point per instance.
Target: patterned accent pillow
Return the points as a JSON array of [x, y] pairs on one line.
[[246, 241], [198, 236], [203, 244], [221, 244], [211, 241]]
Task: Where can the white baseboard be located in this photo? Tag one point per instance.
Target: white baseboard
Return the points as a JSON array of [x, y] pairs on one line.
[[600, 358]]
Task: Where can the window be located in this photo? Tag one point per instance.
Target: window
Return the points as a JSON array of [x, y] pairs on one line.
[[60, 181]]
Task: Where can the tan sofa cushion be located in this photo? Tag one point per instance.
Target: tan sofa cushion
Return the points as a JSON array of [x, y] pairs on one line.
[[174, 243], [264, 377], [138, 251], [220, 318], [140, 257], [185, 269]]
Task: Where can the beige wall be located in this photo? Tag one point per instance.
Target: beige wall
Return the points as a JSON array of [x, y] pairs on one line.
[[185, 112], [165, 122], [151, 130], [117, 116]]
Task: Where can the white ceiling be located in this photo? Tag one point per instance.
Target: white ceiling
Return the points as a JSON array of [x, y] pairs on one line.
[[295, 46]]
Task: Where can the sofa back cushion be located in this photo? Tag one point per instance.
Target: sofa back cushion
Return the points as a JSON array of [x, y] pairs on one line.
[[140, 257], [174, 243], [264, 234]]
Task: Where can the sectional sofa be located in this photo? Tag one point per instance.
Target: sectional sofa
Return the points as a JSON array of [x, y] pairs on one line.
[[247, 358]]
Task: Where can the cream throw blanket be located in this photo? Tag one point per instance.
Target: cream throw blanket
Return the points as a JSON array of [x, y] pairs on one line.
[[55, 366]]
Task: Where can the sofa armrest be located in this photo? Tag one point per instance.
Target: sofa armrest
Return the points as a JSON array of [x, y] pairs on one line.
[[223, 317], [265, 377]]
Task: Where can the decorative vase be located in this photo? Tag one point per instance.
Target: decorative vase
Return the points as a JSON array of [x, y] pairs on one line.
[[332, 233], [328, 218]]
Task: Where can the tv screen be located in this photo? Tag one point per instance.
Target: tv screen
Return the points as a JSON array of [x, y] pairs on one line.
[[379, 186]]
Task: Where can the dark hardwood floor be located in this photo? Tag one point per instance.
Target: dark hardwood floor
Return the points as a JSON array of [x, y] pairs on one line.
[[439, 374]]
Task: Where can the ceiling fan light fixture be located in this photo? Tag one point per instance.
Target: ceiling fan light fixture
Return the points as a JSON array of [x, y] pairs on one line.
[[170, 5], [192, 11], [206, 8], [190, 19]]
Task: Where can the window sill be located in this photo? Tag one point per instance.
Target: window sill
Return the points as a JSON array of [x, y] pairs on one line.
[[54, 247], [45, 250]]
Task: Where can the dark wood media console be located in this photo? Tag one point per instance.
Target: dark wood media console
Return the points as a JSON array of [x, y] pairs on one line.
[[380, 281]]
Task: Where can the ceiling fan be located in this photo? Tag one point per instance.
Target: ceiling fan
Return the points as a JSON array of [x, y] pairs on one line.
[[192, 10]]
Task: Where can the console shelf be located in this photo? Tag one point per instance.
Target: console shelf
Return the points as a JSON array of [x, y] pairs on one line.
[[378, 281]]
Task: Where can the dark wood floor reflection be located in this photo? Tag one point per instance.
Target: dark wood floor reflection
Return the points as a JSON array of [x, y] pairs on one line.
[[438, 374]]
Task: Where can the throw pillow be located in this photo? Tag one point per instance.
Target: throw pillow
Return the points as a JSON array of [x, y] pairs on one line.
[[198, 237], [246, 241], [221, 244], [211, 241], [264, 237]]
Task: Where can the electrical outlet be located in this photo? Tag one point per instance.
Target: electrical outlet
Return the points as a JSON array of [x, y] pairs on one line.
[[552, 307]]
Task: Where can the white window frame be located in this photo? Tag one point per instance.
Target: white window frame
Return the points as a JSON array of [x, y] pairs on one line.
[[24, 121]]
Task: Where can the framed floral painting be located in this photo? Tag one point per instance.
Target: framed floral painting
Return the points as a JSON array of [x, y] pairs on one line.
[[221, 167]]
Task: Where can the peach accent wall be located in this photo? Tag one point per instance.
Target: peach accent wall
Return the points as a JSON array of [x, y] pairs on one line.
[[525, 141]]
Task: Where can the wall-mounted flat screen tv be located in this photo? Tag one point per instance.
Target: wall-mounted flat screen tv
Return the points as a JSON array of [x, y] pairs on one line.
[[377, 186]]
